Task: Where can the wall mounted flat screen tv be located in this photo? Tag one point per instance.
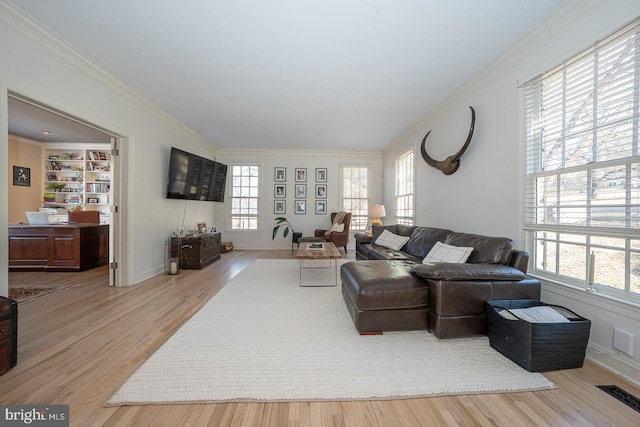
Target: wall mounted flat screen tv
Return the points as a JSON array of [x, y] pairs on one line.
[[193, 177]]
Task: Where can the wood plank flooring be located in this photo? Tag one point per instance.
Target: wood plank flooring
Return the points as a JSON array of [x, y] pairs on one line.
[[80, 345]]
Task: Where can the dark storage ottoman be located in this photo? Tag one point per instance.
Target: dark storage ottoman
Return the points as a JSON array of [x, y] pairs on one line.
[[8, 334], [538, 347]]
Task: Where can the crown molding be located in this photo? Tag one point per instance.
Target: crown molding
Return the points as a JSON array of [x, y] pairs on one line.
[[25, 24], [246, 152]]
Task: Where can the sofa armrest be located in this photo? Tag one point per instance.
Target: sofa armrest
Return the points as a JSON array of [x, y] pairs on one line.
[[362, 238], [454, 271], [520, 260]]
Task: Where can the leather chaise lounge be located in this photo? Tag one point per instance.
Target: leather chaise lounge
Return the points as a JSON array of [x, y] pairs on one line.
[[393, 290]]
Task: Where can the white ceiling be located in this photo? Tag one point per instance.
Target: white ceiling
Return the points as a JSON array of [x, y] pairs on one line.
[[31, 120], [331, 74]]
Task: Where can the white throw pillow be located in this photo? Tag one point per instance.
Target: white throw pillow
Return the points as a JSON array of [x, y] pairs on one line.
[[391, 241], [337, 228], [441, 252]]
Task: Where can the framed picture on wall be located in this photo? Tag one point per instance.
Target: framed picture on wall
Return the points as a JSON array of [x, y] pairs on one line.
[[321, 191], [22, 176], [280, 175], [301, 174], [321, 207], [301, 207], [280, 191], [321, 174], [301, 191], [279, 207]]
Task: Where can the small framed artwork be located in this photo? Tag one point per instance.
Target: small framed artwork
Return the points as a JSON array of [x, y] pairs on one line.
[[279, 207], [321, 174], [321, 207], [301, 191], [202, 227], [92, 200], [301, 207], [280, 175], [22, 176], [321, 191], [301, 174], [280, 191]]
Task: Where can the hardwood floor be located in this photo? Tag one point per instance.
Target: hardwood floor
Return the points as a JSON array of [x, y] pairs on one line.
[[80, 345]]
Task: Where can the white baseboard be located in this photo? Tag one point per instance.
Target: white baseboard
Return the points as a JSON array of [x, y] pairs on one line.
[[616, 363]]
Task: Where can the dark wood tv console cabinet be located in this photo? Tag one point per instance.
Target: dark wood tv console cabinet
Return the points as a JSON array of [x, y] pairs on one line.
[[200, 250]]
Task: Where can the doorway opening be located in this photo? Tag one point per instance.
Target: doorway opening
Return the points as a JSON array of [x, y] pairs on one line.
[[36, 124]]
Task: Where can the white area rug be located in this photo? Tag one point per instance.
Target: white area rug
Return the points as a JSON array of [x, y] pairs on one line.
[[264, 338]]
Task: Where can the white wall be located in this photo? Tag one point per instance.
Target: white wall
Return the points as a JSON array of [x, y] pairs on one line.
[[37, 65], [268, 160], [484, 195]]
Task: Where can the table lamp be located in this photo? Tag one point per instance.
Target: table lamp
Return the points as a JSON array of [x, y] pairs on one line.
[[377, 212]]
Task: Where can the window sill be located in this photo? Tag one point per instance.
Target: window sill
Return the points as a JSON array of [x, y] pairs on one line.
[[600, 297]]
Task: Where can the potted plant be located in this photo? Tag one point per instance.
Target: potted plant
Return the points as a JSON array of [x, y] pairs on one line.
[[56, 186], [282, 221]]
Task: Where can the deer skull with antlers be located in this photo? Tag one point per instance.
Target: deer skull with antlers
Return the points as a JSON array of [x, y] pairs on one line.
[[451, 163]]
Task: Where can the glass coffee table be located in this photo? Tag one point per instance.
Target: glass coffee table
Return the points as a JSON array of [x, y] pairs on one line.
[[315, 254]]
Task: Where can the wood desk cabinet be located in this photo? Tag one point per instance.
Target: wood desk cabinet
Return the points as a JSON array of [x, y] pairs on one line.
[[200, 251], [61, 247]]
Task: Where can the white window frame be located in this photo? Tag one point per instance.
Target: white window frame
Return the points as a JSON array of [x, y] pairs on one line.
[[405, 187], [360, 217], [251, 199], [581, 174]]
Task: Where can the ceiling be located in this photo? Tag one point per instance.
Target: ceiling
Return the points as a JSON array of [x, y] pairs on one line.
[[39, 123], [332, 74]]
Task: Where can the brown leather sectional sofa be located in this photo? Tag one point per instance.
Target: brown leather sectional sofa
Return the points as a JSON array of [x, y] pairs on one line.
[[392, 290]]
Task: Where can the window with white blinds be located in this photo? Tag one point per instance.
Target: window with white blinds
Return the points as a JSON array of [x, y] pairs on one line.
[[404, 188], [355, 195], [245, 186], [582, 174]]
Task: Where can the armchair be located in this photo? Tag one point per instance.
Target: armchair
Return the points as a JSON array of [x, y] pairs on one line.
[[338, 238]]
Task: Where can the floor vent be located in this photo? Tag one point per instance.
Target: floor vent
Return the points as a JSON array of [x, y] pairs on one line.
[[623, 396]]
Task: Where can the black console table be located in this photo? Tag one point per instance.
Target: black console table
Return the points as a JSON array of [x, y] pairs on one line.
[[200, 250]]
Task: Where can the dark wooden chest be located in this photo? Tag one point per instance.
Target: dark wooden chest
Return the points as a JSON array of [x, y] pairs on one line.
[[200, 251], [8, 334]]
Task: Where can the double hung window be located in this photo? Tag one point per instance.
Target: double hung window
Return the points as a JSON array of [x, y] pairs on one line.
[[404, 188], [355, 195], [245, 197], [582, 167]]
